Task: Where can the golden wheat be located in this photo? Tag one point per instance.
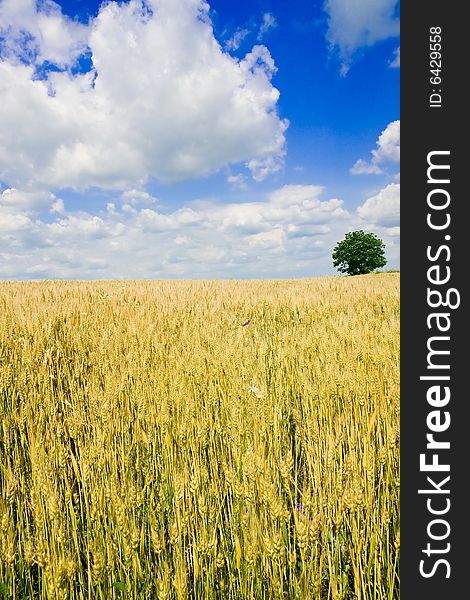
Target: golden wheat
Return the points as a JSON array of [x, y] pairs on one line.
[[202, 440]]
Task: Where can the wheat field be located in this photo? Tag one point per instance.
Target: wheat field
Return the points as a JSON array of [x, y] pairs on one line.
[[200, 439]]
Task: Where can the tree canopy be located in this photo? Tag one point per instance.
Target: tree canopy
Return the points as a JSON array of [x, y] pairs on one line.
[[359, 253]]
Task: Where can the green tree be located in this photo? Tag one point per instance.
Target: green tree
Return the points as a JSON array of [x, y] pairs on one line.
[[359, 253]]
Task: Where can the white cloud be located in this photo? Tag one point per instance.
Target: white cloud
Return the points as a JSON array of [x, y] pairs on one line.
[[40, 34], [57, 206], [395, 62], [362, 167], [269, 22], [26, 200], [273, 239], [11, 222], [164, 100], [237, 38], [387, 151], [388, 144], [353, 24], [289, 233], [260, 168], [84, 227], [384, 208], [237, 181], [289, 195], [135, 197]]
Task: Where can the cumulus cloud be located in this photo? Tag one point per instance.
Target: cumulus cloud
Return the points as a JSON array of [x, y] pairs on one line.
[[39, 35], [162, 100], [11, 222], [384, 208], [135, 197], [353, 24], [363, 167], [387, 151], [26, 200], [290, 232]]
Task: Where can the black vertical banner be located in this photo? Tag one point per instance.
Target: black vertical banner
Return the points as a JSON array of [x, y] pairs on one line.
[[434, 303]]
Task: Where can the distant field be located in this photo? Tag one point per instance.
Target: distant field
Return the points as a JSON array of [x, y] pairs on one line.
[[200, 440]]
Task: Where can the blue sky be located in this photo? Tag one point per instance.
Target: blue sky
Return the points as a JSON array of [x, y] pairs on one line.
[[166, 139]]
